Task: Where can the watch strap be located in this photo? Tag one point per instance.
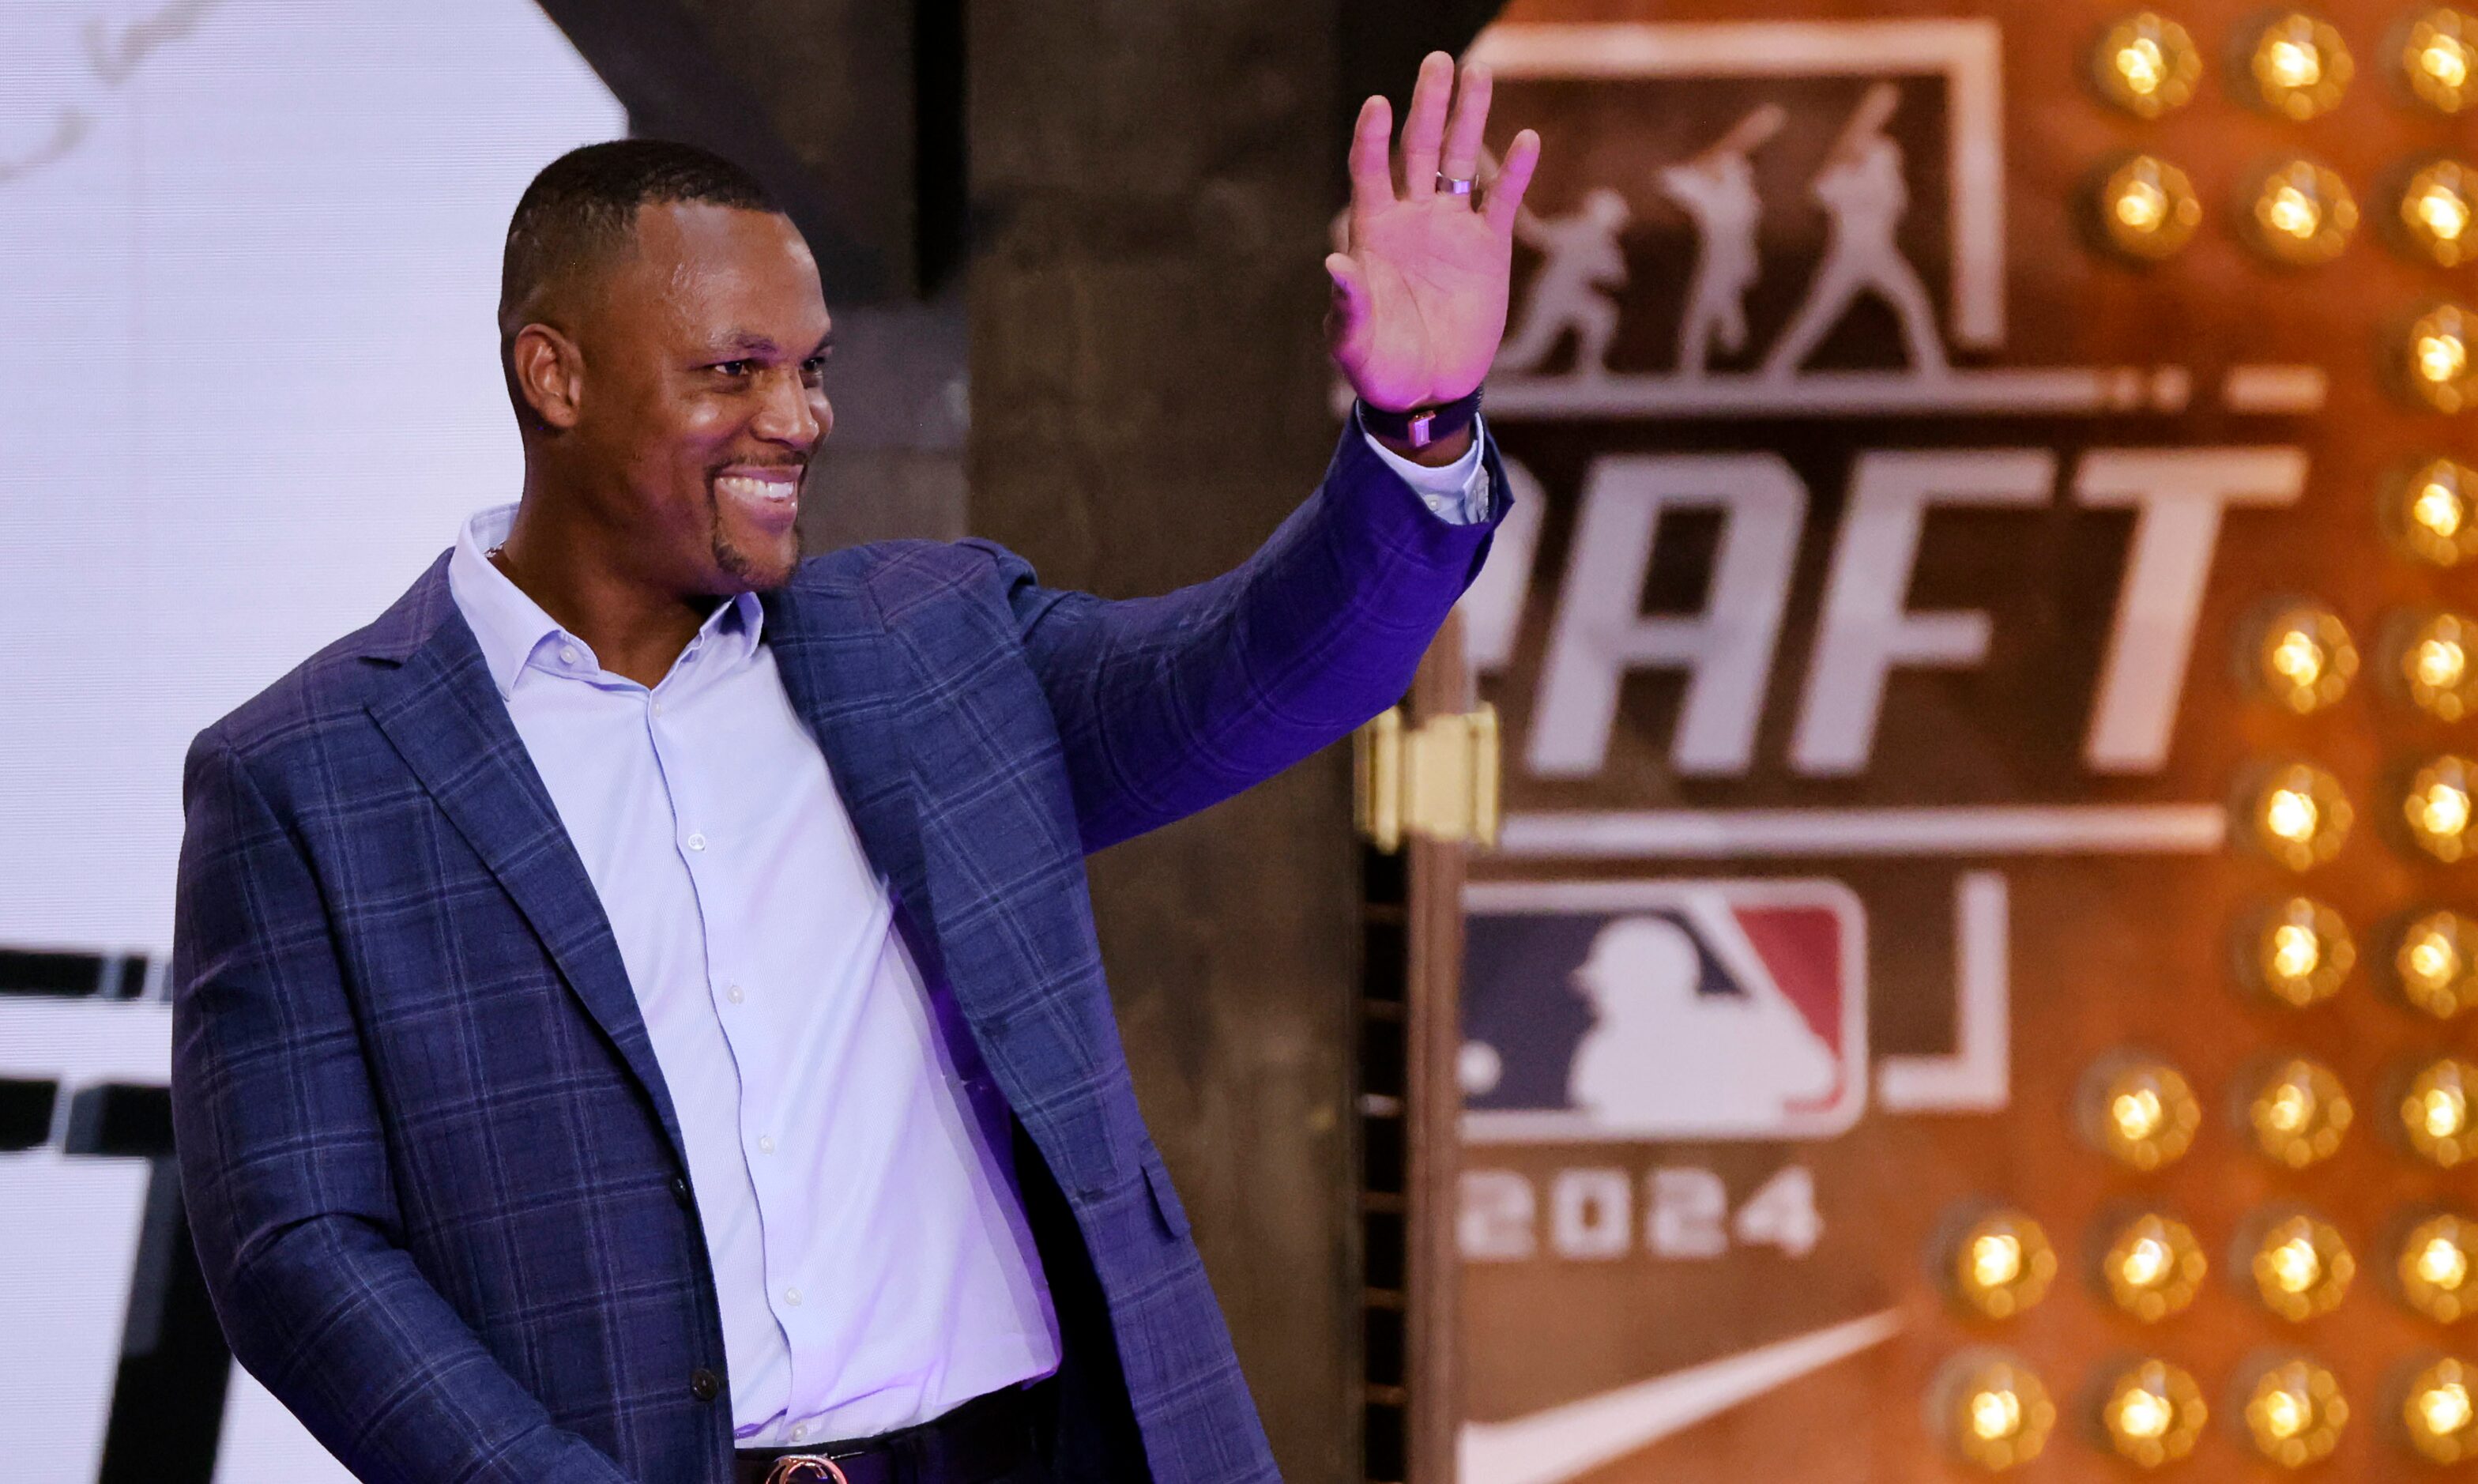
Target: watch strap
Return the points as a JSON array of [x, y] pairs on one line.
[[1421, 426]]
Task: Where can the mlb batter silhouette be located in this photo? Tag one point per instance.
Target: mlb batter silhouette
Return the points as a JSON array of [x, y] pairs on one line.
[[1664, 1058], [1862, 193], [1717, 189], [1583, 259]]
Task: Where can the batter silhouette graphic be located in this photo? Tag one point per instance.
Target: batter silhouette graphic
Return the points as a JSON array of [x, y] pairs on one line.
[[1717, 190], [1862, 191], [1664, 1058], [1584, 258]]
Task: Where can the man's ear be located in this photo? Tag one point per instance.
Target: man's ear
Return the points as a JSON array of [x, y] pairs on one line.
[[550, 375]]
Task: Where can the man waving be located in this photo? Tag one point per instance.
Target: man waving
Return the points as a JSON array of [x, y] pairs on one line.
[[637, 1013]]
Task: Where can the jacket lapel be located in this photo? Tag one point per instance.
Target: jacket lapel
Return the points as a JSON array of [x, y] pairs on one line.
[[849, 678], [446, 717]]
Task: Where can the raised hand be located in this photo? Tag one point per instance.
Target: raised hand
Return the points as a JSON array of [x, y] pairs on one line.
[[1419, 290]]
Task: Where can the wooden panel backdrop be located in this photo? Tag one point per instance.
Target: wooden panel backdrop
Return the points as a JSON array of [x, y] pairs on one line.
[[1627, 1316]]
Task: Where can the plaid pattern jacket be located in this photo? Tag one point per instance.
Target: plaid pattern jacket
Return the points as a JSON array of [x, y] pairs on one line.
[[435, 1182]]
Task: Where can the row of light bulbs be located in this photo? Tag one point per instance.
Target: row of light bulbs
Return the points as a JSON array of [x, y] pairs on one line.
[[2152, 1266], [1997, 1413], [2143, 1113], [2302, 816], [2298, 953], [2302, 655], [2295, 211], [2293, 63]]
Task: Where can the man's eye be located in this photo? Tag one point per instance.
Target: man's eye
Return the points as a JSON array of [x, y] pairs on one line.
[[814, 368], [736, 368]]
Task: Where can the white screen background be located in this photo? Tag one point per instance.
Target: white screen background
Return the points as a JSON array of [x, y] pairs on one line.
[[248, 388]]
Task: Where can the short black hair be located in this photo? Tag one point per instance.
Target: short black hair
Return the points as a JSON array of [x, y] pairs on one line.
[[583, 207]]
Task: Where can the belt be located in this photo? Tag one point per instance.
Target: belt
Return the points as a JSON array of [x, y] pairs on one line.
[[985, 1439]]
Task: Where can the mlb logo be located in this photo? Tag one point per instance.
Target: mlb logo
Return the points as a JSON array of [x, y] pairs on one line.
[[1659, 1009]]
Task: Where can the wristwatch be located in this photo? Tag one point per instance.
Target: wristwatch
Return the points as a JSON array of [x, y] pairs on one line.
[[1421, 426]]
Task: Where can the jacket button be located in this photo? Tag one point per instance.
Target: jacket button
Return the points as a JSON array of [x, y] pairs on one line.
[[680, 1193], [704, 1385]]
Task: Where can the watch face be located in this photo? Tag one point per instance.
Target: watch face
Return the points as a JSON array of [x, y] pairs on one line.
[[1972, 979]]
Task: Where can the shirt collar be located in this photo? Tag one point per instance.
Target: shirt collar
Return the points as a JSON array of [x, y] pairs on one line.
[[511, 627]]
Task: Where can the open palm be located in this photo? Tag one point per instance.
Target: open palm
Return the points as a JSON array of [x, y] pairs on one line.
[[1420, 289]]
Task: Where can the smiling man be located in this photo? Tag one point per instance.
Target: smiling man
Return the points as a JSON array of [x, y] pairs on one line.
[[637, 1016]]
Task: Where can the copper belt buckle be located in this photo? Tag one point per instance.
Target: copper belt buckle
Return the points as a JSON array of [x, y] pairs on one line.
[[806, 1469]]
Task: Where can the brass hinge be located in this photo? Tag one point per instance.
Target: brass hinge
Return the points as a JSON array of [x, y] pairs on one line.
[[1437, 780]]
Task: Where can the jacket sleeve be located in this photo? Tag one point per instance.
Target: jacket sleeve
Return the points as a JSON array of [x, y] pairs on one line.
[[1166, 705], [285, 1173]]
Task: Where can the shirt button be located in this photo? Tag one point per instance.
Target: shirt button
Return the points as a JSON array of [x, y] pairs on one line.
[[697, 842], [764, 1145], [735, 994], [568, 654], [792, 1296], [658, 708], [799, 1430], [704, 1385], [680, 1191]]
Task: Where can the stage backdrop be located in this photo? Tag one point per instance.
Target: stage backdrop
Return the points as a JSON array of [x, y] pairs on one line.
[[248, 266], [1974, 977]]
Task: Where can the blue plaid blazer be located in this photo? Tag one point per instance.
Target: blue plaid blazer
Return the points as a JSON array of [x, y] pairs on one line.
[[435, 1182]]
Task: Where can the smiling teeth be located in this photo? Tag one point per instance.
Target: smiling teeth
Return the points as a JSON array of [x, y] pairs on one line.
[[741, 487]]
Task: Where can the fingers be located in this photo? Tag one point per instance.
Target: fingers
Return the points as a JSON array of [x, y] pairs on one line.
[[1372, 165], [1461, 159], [1424, 127], [1506, 195]]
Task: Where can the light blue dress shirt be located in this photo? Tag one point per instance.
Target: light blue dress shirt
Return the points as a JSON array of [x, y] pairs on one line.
[[846, 1148]]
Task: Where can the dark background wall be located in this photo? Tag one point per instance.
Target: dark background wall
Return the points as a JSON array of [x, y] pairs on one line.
[[1151, 184]]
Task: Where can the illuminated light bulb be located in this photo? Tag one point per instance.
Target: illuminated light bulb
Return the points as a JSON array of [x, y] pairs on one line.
[[2302, 215], [2439, 664], [2148, 209], [2291, 813], [2438, 807], [2433, 1269], [2140, 1112], [2299, 1113], [2301, 818], [2154, 1266], [2438, 57], [2294, 1411], [2153, 1414], [2298, 953], [2301, 1267], [2437, 964], [2439, 508], [1996, 1411], [2435, 213], [2436, 1411], [2434, 1112], [2433, 656], [2303, 656], [2426, 512], [2435, 359], [2146, 65], [2003, 1264], [2300, 65]]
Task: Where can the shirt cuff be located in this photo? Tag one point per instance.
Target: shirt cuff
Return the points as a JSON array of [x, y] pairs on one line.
[[1457, 492]]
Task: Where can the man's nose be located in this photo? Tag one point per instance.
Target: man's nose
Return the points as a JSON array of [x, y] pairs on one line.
[[788, 417]]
